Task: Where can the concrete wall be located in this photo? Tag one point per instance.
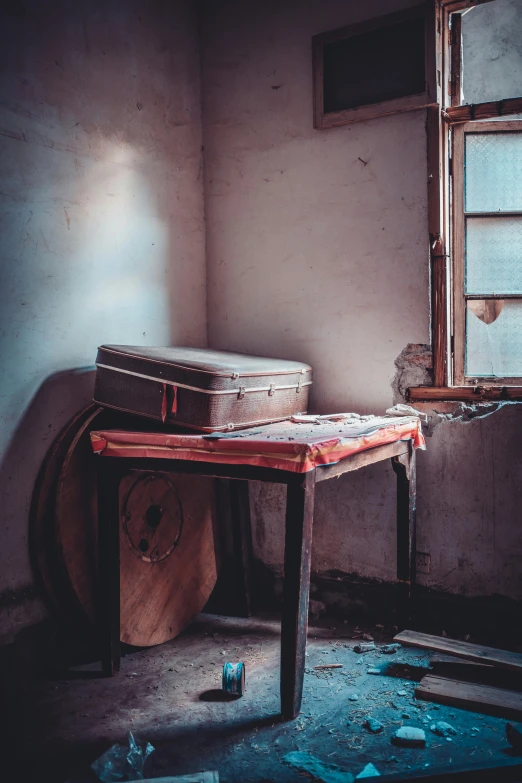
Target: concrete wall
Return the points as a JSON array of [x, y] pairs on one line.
[[317, 249], [101, 221]]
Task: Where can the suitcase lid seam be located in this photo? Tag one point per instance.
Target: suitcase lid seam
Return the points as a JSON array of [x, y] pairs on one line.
[[303, 369]]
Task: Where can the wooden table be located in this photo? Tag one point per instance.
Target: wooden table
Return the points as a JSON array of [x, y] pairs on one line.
[[302, 462]]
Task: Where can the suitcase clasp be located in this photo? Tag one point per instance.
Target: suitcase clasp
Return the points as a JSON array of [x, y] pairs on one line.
[[241, 393], [271, 390]]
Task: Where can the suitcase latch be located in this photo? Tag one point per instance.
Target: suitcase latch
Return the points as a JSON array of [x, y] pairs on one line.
[[271, 390], [298, 387], [241, 393]]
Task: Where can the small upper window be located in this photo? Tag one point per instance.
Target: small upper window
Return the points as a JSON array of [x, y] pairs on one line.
[[378, 67]]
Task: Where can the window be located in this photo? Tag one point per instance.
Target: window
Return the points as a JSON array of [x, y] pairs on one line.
[[487, 252], [475, 205], [375, 68]]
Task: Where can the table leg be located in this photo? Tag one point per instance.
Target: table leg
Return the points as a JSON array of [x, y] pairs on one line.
[[294, 624], [109, 476], [404, 467], [242, 538]]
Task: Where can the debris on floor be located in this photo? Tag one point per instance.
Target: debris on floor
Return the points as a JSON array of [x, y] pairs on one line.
[[169, 695], [443, 729], [363, 647], [122, 762], [409, 737], [475, 691], [514, 736], [327, 773], [233, 678], [329, 666], [389, 649], [373, 725], [370, 771]]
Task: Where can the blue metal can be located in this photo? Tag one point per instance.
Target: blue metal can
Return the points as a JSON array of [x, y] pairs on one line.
[[233, 680]]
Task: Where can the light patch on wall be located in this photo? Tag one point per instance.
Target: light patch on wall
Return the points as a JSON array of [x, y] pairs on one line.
[[86, 260]]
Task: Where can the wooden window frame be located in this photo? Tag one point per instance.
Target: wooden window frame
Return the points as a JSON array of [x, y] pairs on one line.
[[431, 94], [458, 252], [441, 120]]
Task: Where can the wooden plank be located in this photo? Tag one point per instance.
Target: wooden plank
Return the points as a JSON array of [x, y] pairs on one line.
[[508, 771], [459, 5], [478, 698], [456, 60], [464, 393], [373, 110], [212, 469], [438, 257], [458, 233], [472, 652], [452, 668], [360, 460], [296, 589], [318, 82], [199, 777], [484, 111]]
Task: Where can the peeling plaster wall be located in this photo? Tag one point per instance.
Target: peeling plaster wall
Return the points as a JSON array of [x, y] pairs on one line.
[[317, 249], [101, 221]]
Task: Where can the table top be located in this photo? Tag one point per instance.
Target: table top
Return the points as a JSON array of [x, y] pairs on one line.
[[298, 445]]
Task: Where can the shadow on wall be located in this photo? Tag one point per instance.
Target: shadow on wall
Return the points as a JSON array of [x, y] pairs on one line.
[[57, 400]]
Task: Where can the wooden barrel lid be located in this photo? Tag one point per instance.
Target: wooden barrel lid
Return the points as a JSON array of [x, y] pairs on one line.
[[167, 556]]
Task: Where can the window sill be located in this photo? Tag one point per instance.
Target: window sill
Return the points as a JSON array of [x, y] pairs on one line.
[[464, 393]]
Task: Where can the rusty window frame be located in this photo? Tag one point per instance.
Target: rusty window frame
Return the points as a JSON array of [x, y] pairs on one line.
[[442, 121]]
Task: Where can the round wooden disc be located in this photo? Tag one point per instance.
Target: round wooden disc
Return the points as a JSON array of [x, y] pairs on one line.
[[41, 518], [167, 555]]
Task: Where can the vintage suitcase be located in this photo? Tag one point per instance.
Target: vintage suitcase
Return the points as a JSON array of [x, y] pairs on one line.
[[199, 388]]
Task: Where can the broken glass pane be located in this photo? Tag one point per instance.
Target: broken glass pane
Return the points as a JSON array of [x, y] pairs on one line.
[[495, 348], [494, 255], [493, 172], [492, 65]]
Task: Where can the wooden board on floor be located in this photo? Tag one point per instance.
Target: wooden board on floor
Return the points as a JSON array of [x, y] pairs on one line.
[[452, 668], [470, 696], [198, 777], [472, 652]]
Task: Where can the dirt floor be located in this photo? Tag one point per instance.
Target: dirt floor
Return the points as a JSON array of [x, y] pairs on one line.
[[171, 697]]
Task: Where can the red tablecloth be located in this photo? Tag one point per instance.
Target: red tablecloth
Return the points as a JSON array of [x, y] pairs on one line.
[[299, 445]]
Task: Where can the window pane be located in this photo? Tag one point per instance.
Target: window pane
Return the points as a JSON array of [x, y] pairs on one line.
[[494, 255], [495, 349], [493, 172], [491, 51], [376, 66]]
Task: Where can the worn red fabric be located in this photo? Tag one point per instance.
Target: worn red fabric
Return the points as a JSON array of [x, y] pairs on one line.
[[298, 446]]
